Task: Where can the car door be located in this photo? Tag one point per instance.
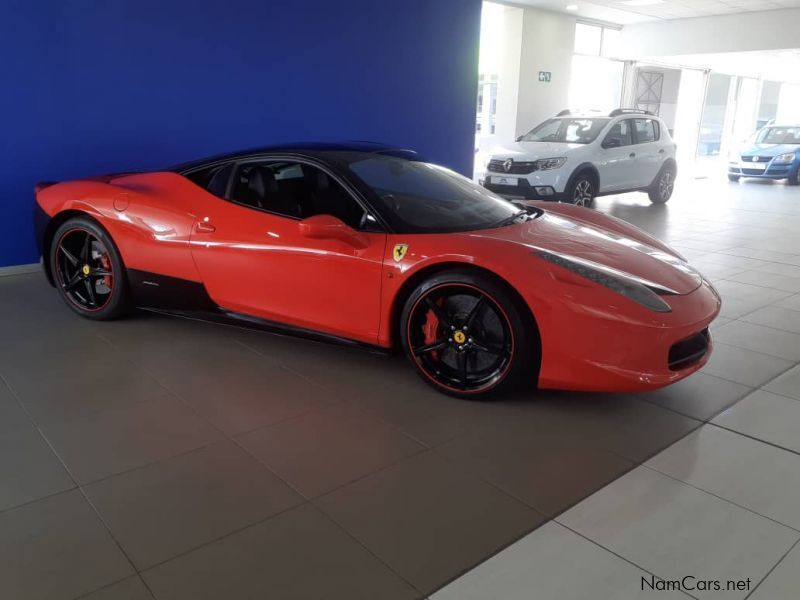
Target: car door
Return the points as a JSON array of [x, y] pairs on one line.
[[650, 153], [617, 158], [260, 254]]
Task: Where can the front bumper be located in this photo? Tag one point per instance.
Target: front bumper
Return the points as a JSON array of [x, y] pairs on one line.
[[773, 170], [538, 185], [605, 344]]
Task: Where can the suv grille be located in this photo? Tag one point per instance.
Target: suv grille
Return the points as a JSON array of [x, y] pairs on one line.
[[688, 351], [517, 167], [761, 159]]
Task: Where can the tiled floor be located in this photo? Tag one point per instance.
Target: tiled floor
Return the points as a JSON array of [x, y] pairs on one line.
[[162, 458]]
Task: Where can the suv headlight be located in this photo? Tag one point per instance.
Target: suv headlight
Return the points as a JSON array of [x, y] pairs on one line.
[[545, 164], [639, 290], [785, 158]]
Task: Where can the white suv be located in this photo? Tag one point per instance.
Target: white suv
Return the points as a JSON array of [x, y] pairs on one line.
[[574, 158]]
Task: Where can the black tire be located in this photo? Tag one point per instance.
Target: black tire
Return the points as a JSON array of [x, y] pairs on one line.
[[734, 178], [660, 191], [581, 189], [88, 271], [444, 336], [794, 180]]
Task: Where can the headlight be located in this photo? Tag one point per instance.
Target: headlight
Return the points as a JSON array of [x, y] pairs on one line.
[[633, 288], [546, 164], [785, 158]]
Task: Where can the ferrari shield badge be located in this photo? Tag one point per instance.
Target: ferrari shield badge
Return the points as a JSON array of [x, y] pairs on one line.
[[399, 252]]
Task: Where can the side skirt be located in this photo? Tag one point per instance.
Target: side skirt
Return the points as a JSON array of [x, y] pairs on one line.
[[190, 300]]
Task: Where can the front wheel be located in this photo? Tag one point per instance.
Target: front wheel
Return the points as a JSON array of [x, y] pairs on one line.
[[734, 178], [466, 336], [582, 189], [795, 180], [661, 189], [88, 271]]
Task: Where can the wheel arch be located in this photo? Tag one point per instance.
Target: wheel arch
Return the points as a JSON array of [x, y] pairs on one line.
[[419, 276], [584, 167], [669, 162]]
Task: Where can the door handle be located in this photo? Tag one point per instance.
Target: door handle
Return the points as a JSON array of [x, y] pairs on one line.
[[204, 226], [632, 155], [661, 151]]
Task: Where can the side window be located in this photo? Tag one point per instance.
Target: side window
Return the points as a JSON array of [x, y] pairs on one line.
[[214, 179], [294, 190], [619, 135], [646, 130]]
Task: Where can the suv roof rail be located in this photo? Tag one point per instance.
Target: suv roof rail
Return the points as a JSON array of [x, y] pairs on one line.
[[630, 111], [564, 113]]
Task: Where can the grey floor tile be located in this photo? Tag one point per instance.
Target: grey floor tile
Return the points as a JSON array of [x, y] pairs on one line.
[[699, 396], [68, 392], [758, 338], [297, 555], [776, 317], [746, 367], [175, 505], [769, 417], [787, 384], [782, 583], [428, 520], [29, 469], [549, 471], [739, 299], [12, 415], [117, 440], [758, 476], [132, 588], [553, 563], [792, 302], [672, 530], [326, 449], [56, 548], [770, 280]]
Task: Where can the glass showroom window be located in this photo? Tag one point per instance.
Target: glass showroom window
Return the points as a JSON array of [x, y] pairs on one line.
[[596, 81]]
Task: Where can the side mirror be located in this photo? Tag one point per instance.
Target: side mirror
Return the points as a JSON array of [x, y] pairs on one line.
[[519, 138], [612, 143], [328, 227]]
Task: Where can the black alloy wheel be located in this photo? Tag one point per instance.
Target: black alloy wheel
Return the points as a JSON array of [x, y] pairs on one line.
[[582, 190], [87, 270], [462, 336]]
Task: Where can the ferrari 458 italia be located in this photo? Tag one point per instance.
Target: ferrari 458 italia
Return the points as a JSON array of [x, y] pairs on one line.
[[374, 246]]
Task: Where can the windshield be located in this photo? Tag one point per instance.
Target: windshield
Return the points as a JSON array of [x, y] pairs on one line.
[[779, 135], [566, 131], [419, 197]]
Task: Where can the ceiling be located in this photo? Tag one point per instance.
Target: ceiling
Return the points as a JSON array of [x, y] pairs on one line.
[[622, 13]]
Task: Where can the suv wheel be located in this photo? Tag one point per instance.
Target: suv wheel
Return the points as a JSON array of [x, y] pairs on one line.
[[582, 190], [661, 189]]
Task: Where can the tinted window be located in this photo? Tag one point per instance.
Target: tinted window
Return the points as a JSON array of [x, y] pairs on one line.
[[619, 135], [645, 130], [295, 190], [218, 185], [418, 197], [566, 130]]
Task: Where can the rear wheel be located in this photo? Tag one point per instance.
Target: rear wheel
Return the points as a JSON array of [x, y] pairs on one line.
[[465, 335], [734, 178], [88, 271], [661, 189]]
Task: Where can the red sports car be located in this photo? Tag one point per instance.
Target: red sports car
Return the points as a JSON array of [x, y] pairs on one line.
[[374, 246]]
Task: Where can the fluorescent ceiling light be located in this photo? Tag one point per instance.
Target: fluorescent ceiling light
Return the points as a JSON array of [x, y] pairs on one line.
[[571, 7], [641, 2]]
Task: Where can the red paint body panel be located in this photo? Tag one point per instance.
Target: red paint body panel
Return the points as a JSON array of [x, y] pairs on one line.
[[265, 265]]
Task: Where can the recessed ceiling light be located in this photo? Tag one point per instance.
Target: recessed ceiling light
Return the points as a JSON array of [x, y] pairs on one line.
[[571, 7], [641, 2]]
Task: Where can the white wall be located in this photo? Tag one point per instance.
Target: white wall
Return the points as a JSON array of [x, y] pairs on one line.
[[767, 30], [548, 40], [508, 75]]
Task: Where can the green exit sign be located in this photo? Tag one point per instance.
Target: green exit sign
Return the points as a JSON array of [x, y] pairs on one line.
[[545, 76]]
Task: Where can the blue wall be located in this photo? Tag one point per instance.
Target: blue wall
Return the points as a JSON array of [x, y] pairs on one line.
[[94, 86]]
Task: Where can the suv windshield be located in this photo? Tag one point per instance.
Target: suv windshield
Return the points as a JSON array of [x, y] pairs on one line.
[[779, 135], [571, 130], [419, 197]]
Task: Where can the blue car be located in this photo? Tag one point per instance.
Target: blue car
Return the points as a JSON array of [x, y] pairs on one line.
[[772, 153]]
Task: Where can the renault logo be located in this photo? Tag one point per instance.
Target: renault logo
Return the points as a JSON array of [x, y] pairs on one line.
[[508, 165]]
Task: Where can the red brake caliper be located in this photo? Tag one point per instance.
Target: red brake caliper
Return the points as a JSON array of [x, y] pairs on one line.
[[429, 329], [104, 260]]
